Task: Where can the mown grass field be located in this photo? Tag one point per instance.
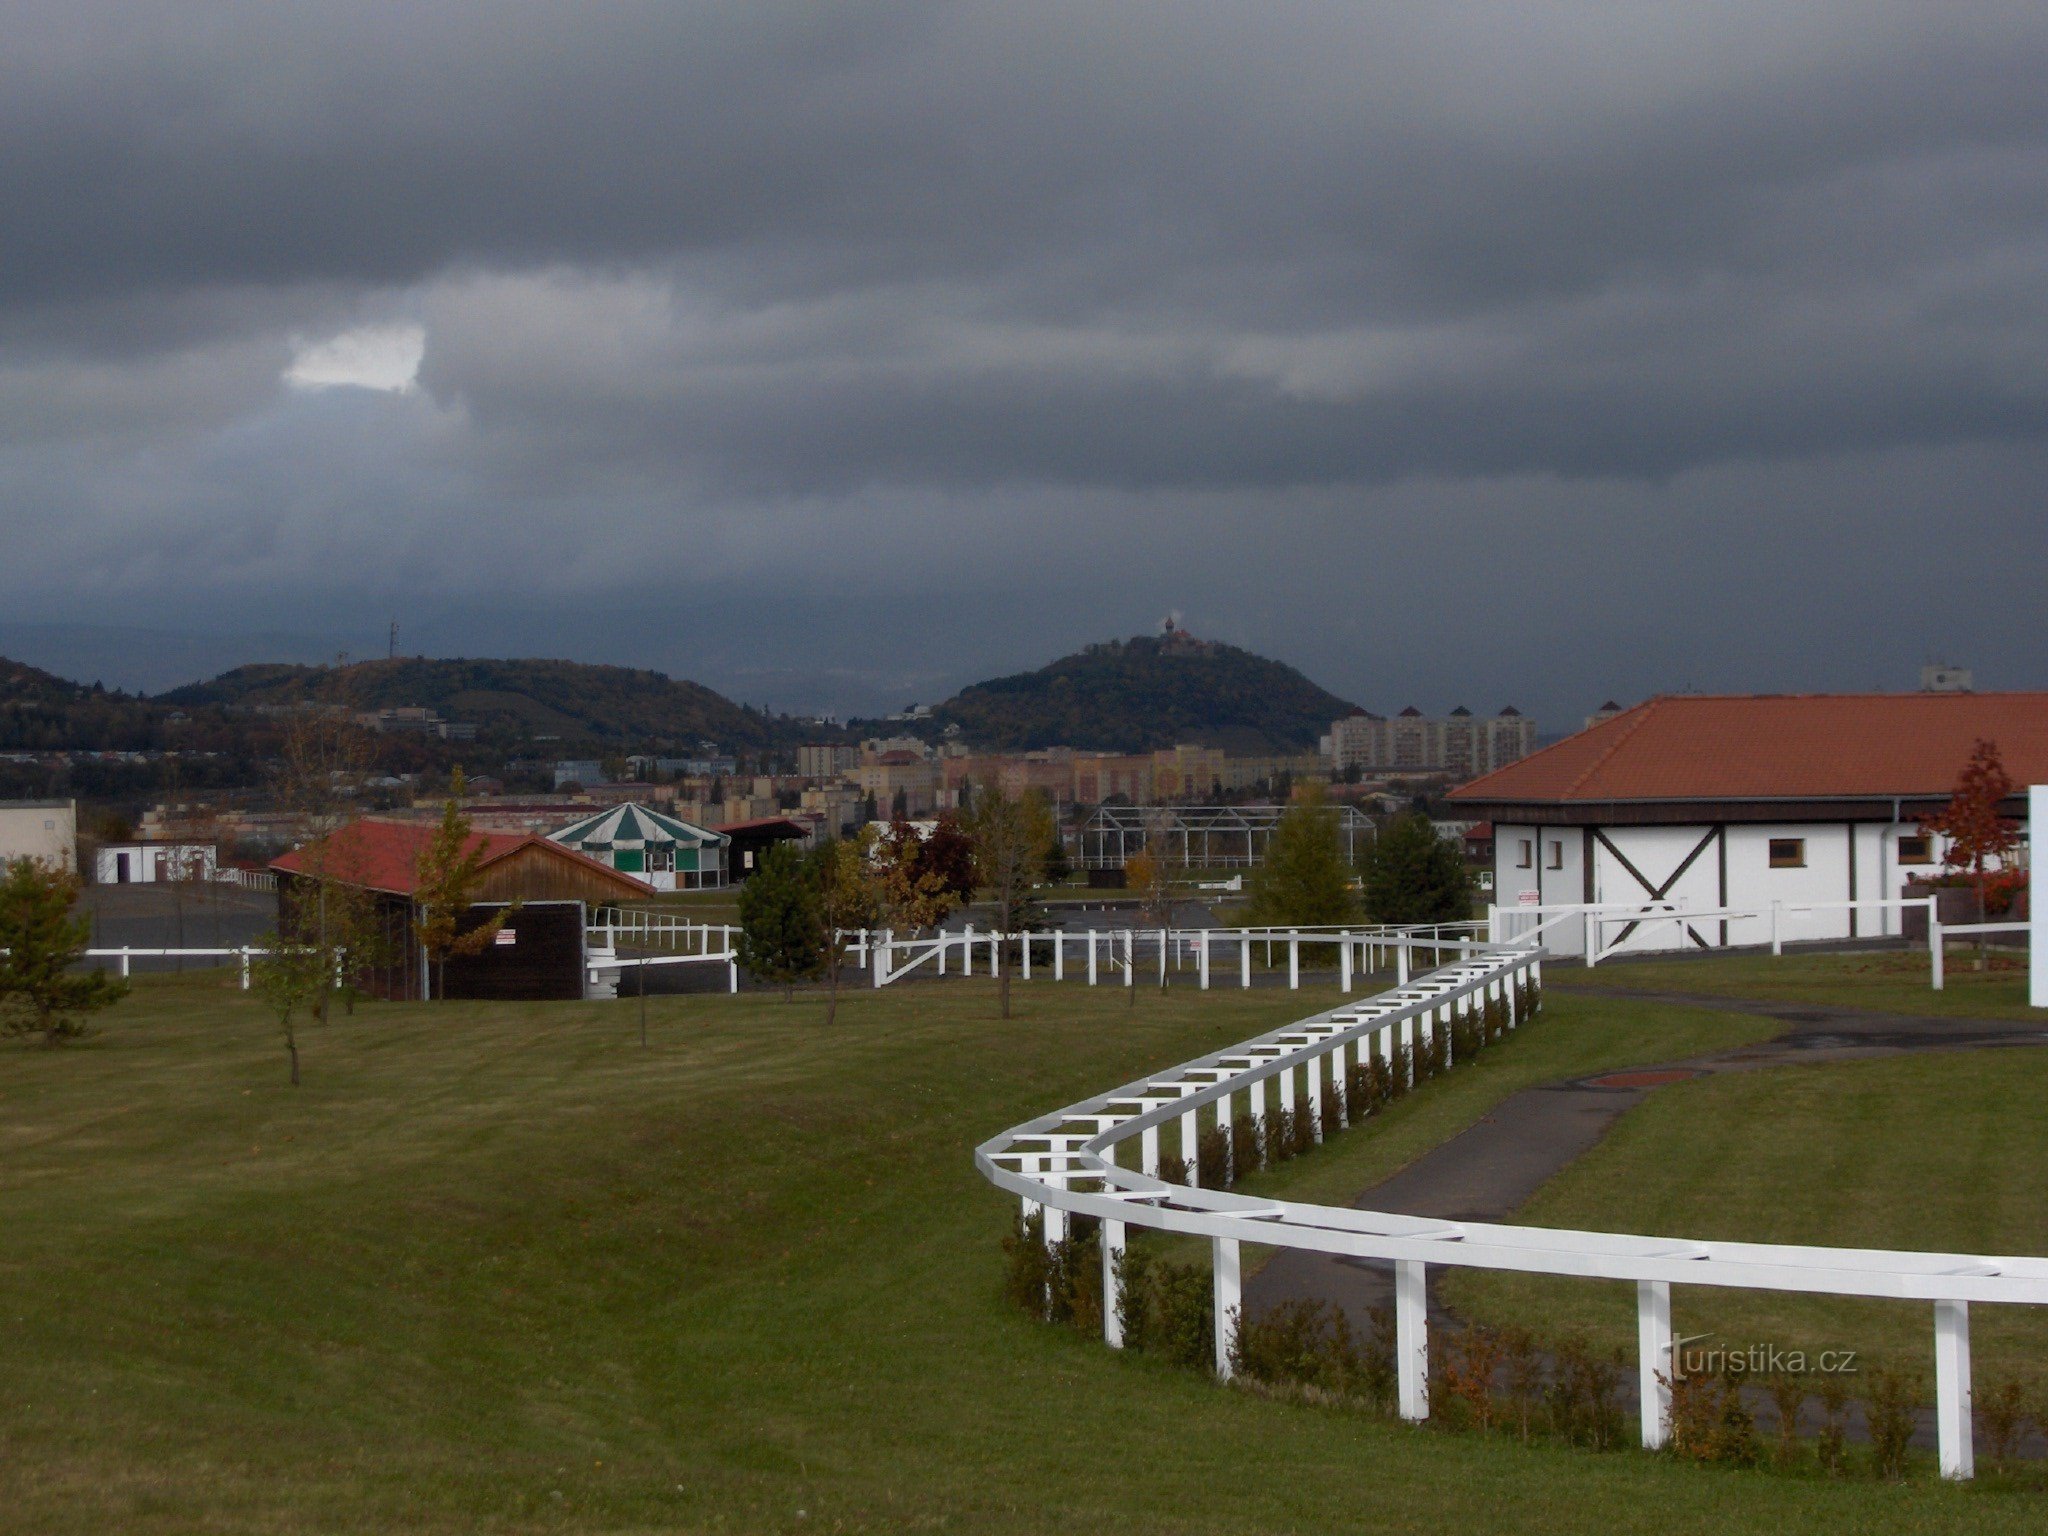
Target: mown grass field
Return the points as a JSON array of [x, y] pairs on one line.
[[1943, 1151], [1890, 981], [498, 1268]]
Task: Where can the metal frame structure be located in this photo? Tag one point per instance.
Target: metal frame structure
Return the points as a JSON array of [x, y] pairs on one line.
[[1198, 836], [1066, 1163]]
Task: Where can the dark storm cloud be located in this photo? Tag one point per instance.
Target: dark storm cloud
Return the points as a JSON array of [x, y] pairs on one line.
[[1223, 304]]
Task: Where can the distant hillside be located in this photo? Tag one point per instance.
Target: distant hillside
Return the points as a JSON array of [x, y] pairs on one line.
[[573, 702], [41, 711], [1142, 694]]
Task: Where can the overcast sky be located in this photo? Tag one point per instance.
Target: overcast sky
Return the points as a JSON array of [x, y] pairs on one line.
[[840, 355]]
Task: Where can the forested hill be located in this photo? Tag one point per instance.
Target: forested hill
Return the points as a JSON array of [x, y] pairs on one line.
[[41, 711], [1142, 694], [572, 702]]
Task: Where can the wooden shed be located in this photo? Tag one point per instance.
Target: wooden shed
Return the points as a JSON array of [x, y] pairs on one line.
[[383, 857]]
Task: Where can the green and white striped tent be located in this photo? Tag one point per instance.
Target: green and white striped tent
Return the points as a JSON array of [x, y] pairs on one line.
[[667, 852]]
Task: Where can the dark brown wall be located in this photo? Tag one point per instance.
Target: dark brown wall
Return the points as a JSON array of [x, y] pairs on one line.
[[544, 963]]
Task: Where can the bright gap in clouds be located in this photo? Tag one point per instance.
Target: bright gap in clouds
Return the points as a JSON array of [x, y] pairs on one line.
[[383, 357]]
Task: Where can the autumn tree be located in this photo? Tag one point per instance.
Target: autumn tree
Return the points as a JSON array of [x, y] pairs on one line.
[[782, 928], [40, 991], [917, 889], [449, 872], [848, 901], [1972, 824], [1009, 838]]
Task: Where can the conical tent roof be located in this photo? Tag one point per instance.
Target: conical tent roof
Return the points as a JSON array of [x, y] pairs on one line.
[[633, 826]]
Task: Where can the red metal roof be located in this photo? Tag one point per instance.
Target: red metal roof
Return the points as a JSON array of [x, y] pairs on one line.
[[760, 823], [385, 855], [1778, 747]]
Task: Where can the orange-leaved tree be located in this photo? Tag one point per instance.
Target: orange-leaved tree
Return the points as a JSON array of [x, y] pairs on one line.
[[1977, 832]]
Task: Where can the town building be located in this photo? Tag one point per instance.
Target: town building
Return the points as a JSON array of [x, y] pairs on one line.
[[827, 760], [43, 830], [1746, 803], [1461, 743], [667, 852]]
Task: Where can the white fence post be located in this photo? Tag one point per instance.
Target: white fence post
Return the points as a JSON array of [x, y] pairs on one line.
[[1952, 1392], [1294, 962], [1112, 1292], [1148, 1152], [1245, 959], [1203, 958], [1093, 935], [1191, 1148], [2037, 888], [1130, 957], [1401, 962], [1937, 946], [1411, 1338], [1059, 956], [1229, 1294], [1655, 1369]]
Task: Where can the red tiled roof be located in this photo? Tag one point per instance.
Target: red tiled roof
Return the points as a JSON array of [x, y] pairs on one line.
[[1778, 747], [385, 855]]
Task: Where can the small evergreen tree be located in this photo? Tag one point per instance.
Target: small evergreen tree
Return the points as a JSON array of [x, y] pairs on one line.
[[1305, 880], [1414, 876], [782, 928], [42, 993]]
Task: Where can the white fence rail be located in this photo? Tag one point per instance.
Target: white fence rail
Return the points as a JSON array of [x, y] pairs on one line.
[[1066, 1163], [1116, 956]]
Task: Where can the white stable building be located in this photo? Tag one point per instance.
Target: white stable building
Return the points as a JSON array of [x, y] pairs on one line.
[[148, 863], [1776, 805], [667, 852]]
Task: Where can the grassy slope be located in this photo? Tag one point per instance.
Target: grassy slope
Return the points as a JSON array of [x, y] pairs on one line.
[[1945, 1152], [1890, 981], [498, 1268]]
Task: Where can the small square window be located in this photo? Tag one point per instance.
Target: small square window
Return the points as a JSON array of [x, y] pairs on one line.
[[1916, 850], [1557, 856], [1788, 853], [1526, 854]]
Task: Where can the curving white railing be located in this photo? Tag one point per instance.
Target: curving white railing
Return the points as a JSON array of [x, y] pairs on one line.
[[1066, 1162]]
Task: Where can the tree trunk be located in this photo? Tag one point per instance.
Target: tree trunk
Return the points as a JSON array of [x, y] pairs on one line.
[[291, 1045]]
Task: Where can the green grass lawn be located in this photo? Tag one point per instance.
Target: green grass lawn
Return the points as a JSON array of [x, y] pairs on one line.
[[1946, 1151], [499, 1268], [1891, 981]]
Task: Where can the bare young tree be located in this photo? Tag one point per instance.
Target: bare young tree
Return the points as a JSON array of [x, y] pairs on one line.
[[1010, 842]]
